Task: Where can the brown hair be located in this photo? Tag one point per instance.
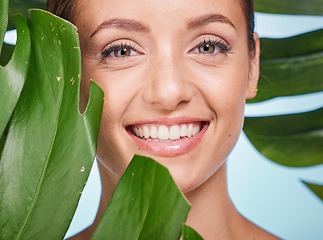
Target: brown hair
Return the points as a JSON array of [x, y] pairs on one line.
[[67, 10], [249, 10], [63, 8]]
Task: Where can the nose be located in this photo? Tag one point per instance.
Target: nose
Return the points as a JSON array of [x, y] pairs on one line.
[[168, 85]]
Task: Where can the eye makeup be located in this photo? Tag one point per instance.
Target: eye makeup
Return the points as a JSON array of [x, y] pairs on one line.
[[123, 53], [209, 46], [119, 50]]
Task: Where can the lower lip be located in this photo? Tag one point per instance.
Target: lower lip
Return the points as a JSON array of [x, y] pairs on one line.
[[172, 148]]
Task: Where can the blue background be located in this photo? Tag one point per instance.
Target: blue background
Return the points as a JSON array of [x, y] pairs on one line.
[[270, 195]]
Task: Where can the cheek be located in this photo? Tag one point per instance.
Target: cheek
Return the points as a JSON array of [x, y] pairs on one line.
[[119, 89], [225, 92], [230, 105], [224, 89], [120, 100]]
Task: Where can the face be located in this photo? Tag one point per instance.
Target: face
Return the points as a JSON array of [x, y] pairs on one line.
[[176, 74]]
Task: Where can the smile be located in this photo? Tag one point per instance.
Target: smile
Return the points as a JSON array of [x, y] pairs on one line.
[[166, 133], [168, 140]]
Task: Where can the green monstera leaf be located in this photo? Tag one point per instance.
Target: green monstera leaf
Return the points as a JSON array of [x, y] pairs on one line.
[[50, 146], [22, 6], [293, 140], [317, 189], [7, 50], [15, 6], [3, 19], [290, 67], [146, 204], [12, 76], [190, 234], [301, 7]]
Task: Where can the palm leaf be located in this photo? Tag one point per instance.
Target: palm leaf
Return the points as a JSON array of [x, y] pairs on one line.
[[316, 189], [3, 19], [6, 53], [12, 76], [300, 7], [50, 146], [190, 234], [16, 6], [294, 140], [145, 205], [22, 6], [291, 66]]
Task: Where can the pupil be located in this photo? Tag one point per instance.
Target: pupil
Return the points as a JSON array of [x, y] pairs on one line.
[[123, 52], [206, 48]]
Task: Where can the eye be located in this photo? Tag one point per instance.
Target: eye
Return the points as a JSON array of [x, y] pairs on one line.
[[212, 47], [208, 48], [125, 52], [119, 51]]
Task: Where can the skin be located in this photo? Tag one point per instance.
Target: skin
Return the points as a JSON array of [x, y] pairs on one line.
[[167, 80]]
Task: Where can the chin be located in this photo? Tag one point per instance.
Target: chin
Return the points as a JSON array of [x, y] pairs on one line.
[[192, 177]]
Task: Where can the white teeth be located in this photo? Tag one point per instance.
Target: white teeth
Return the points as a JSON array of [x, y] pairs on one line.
[[190, 130], [162, 132], [196, 130], [183, 130], [174, 132], [153, 132], [136, 131], [141, 133], [146, 132]]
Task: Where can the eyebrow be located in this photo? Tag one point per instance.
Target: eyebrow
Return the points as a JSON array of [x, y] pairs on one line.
[[133, 25], [126, 24], [209, 18]]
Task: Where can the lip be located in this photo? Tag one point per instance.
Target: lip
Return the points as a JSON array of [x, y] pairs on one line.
[[171, 148]]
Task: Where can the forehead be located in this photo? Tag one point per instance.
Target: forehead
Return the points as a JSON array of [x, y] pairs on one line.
[[91, 13]]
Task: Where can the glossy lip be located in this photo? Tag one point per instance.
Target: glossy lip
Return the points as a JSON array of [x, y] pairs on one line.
[[171, 148]]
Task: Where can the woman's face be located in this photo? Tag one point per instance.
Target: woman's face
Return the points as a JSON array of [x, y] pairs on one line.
[[175, 74]]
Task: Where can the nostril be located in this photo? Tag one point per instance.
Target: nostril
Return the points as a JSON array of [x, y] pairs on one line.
[[183, 102], [170, 98]]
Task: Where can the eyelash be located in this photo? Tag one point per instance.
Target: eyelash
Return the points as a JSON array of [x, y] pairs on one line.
[[117, 47], [220, 43]]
